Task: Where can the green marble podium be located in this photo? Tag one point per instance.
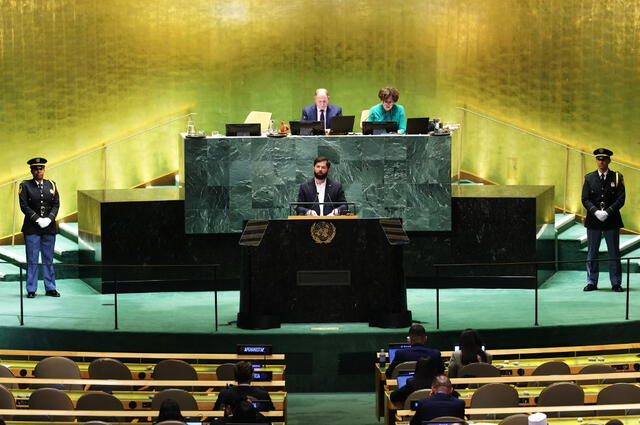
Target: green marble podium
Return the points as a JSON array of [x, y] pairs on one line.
[[232, 179]]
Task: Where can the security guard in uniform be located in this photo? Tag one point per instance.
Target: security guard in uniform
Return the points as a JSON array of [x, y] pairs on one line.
[[603, 195], [39, 201]]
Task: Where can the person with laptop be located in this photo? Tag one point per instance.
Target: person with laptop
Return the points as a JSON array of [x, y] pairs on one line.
[[440, 403], [321, 187], [388, 109], [418, 340], [321, 110], [426, 370], [231, 397], [471, 351]]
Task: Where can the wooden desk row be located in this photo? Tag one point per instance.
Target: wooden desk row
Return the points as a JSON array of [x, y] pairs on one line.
[[390, 384], [269, 385], [141, 400], [25, 368], [600, 409], [122, 414], [140, 356]]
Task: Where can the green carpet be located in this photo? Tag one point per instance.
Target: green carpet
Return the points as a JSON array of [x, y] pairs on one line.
[[334, 409]]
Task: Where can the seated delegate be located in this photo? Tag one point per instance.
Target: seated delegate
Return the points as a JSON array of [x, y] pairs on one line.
[[388, 109]]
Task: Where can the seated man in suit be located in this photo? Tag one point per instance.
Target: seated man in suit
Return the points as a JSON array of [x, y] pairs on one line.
[[231, 397], [321, 187], [321, 110], [418, 349], [439, 403]]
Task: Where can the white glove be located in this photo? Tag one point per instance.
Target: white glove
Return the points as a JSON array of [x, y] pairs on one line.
[[40, 222], [311, 212], [601, 215]]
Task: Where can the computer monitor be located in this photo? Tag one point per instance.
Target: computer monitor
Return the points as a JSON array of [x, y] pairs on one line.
[[402, 378], [242, 129], [263, 375], [307, 128], [342, 124], [417, 125], [395, 346], [379, 127]]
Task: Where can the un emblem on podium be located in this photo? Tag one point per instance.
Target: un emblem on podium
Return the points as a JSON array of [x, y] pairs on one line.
[[323, 232]]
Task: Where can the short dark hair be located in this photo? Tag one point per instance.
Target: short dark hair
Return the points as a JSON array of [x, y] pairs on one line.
[[386, 92], [322, 159], [243, 371], [417, 330], [441, 381]]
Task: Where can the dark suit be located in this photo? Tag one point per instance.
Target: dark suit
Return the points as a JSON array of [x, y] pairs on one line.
[[232, 395], [438, 404], [310, 113], [39, 202], [333, 197], [413, 354], [608, 194]]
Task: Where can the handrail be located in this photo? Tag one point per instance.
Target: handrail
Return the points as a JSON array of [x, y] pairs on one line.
[[102, 146], [540, 136], [533, 409]]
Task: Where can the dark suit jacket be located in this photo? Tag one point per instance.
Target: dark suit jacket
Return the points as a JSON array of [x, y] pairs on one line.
[[414, 354], [310, 113], [333, 197], [35, 205], [232, 395], [439, 404], [611, 192]]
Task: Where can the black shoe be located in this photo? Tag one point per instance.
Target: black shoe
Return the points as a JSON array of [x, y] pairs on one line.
[[52, 293], [617, 288], [31, 294], [590, 287]]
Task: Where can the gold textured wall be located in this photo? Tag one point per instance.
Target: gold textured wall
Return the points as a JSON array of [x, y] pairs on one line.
[[76, 74]]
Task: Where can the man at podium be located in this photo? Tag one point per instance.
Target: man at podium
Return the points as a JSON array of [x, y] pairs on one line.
[[320, 187]]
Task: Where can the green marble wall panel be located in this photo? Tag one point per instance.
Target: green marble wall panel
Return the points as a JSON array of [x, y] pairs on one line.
[[228, 180]]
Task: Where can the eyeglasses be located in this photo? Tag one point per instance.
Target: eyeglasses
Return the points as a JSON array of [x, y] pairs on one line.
[[389, 102]]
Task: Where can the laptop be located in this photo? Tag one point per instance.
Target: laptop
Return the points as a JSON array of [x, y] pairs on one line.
[[402, 378], [417, 125], [379, 127], [342, 124], [306, 128], [395, 346]]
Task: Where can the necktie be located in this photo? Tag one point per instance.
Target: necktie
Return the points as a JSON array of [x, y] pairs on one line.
[[324, 124]]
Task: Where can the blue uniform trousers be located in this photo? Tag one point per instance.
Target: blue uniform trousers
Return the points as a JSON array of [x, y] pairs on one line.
[[40, 245], [594, 238]]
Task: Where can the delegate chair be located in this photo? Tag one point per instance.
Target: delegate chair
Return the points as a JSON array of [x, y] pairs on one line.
[[226, 372], [57, 367], [170, 423], [99, 401], [5, 372], [403, 367], [494, 395], [478, 370], [562, 394], [172, 369], [185, 400], [51, 399], [416, 395], [596, 368], [550, 368], [364, 116], [263, 118], [106, 368], [519, 419], [621, 393], [7, 401]]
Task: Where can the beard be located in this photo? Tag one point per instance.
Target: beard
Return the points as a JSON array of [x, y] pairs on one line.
[[320, 176]]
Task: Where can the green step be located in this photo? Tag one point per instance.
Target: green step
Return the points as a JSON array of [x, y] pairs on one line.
[[627, 243], [16, 254], [66, 250], [69, 230], [573, 233], [564, 221], [9, 272]]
